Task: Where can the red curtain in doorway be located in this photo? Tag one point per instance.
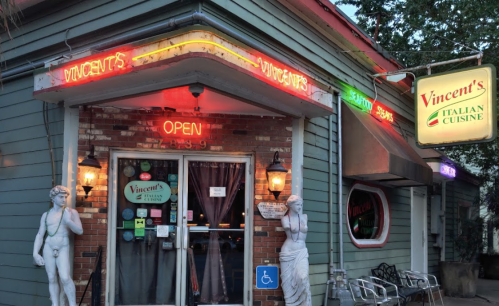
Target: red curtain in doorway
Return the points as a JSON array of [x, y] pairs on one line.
[[204, 175]]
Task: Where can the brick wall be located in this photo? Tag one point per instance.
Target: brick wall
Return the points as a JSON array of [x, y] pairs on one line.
[[107, 128]]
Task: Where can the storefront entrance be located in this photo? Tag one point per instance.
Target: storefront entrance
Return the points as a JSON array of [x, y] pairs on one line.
[[178, 229]]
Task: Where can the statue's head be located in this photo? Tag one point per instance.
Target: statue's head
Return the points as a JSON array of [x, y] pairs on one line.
[[57, 190], [295, 202]]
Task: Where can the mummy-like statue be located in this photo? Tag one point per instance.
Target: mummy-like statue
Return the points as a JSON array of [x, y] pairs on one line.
[[294, 256], [57, 224]]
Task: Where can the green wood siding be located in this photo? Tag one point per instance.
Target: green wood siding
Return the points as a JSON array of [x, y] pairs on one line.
[[25, 181], [316, 195], [359, 261], [82, 18], [318, 278]]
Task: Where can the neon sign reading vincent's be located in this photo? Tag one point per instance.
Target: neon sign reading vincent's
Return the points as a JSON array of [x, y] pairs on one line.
[[95, 67], [283, 76], [182, 128]]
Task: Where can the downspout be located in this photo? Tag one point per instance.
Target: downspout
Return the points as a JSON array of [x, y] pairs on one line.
[[442, 215], [340, 183], [337, 277], [331, 223], [332, 269]]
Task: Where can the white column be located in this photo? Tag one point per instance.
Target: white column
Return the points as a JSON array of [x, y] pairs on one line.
[[70, 157], [297, 159]]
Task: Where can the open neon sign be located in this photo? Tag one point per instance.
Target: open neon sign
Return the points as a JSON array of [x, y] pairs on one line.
[[182, 128], [95, 67]]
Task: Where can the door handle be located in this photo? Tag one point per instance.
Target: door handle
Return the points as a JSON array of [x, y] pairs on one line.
[[185, 234]]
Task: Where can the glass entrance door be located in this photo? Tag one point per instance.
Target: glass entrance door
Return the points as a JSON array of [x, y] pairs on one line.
[[146, 269], [178, 230], [216, 197]]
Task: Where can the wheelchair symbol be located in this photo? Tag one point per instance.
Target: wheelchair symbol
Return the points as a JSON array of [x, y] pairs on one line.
[[266, 279]]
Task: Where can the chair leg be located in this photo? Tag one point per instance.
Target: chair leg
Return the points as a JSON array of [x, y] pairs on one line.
[[440, 294], [430, 297]]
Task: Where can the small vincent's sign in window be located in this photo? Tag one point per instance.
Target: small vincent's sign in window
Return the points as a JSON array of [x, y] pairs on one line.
[[364, 210], [368, 216]]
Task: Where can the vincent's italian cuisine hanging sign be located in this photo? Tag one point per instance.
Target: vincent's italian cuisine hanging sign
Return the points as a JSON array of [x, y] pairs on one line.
[[147, 192], [456, 107]]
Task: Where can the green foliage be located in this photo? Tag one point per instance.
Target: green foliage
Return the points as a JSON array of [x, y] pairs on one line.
[[470, 241], [419, 32]]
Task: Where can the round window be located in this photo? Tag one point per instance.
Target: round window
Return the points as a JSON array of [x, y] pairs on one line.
[[364, 214], [367, 216]]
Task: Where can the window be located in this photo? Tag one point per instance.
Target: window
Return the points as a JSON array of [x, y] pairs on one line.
[[368, 216]]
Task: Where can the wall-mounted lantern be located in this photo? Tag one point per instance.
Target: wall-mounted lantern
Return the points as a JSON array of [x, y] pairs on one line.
[[276, 175], [89, 172]]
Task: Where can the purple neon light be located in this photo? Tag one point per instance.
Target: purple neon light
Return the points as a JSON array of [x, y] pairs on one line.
[[447, 170]]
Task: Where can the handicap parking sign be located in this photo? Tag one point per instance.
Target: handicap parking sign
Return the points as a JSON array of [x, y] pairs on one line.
[[267, 277]]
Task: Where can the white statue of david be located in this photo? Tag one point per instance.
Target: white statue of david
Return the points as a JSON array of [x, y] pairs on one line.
[[57, 224]]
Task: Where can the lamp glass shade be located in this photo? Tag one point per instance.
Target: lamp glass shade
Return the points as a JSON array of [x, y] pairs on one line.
[[277, 180], [88, 176]]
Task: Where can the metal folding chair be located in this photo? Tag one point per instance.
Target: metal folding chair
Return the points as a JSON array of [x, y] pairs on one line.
[[388, 274], [392, 291], [426, 281], [365, 292]]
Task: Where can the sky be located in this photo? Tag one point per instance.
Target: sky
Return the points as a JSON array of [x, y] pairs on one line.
[[349, 10]]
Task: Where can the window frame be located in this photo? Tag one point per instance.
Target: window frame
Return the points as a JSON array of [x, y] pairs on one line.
[[382, 238]]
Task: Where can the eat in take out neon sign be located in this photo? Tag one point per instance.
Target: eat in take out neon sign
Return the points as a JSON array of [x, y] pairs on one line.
[[182, 128]]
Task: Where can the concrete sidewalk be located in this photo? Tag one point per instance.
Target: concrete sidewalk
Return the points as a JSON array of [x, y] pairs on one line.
[[487, 295]]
